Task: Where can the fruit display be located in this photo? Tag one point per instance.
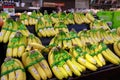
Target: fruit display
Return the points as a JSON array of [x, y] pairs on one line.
[[36, 64], [62, 63], [12, 69], [66, 53], [98, 24], [94, 36]]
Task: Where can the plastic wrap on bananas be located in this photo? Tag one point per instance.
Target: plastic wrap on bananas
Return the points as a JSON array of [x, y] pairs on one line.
[[36, 64], [62, 63], [12, 69]]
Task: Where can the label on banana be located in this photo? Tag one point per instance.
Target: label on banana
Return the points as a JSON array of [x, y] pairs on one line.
[[109, 38], [67, 68], [93, 60], [83, 60], [43, 66], [19, 49], [3, 78], [34, 70], [17, 74], [1, 33], [8, 51], [40, 30]]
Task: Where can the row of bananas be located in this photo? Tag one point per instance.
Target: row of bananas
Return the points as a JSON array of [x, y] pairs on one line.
[[80, 18], [10, 28], [94, 36], [63, 64], [98, 24], [65, 40], [36, 65], [47, 29], [30, 19], [12, 69], [94, 55], [66, 18]]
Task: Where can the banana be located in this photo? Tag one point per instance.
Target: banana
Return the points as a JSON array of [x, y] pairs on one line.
[[90, 17], [76, 64], [73, 68], [67, 69], [6, 36], [11, 74], [9, 51], [3, 69], [15, 50], [45, 67], [55, 69], [22, 42], [109, 58], [33, 71], [18, 73], [84, 62], [21, 65], [116, 48], [3, 31], [63, 71], [40, 70]]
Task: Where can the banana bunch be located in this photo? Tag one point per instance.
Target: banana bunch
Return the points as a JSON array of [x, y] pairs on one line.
[[116, 47], [62, 39], [62, 63], [44, 30], [12, 69], [93, 56], [90, 17], [35, 43], [8, 30], [109, 55], [98, 24], [24, 18], [80, 18], [54, 17], [4, 16], [94, 36], [33, 18], [23, 29], [36, 64], [16, 45], [60, 26], [70, 18]]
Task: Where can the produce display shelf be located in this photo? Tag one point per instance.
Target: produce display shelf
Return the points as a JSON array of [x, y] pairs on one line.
[[107, 72]]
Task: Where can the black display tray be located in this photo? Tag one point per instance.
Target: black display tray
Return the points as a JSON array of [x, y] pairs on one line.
[[108, 72]]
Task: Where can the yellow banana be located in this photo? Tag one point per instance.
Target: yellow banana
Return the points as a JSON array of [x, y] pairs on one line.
[[3, 69], [33, 71], [55, 69], [12, 74], [73, 68]]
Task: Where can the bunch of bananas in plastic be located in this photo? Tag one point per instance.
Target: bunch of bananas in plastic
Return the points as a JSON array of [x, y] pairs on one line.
[[80, 18], [36, 64], [93, 56], [16, 45], [12, 69], [94, 36], [98, 24], [63, 64]]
